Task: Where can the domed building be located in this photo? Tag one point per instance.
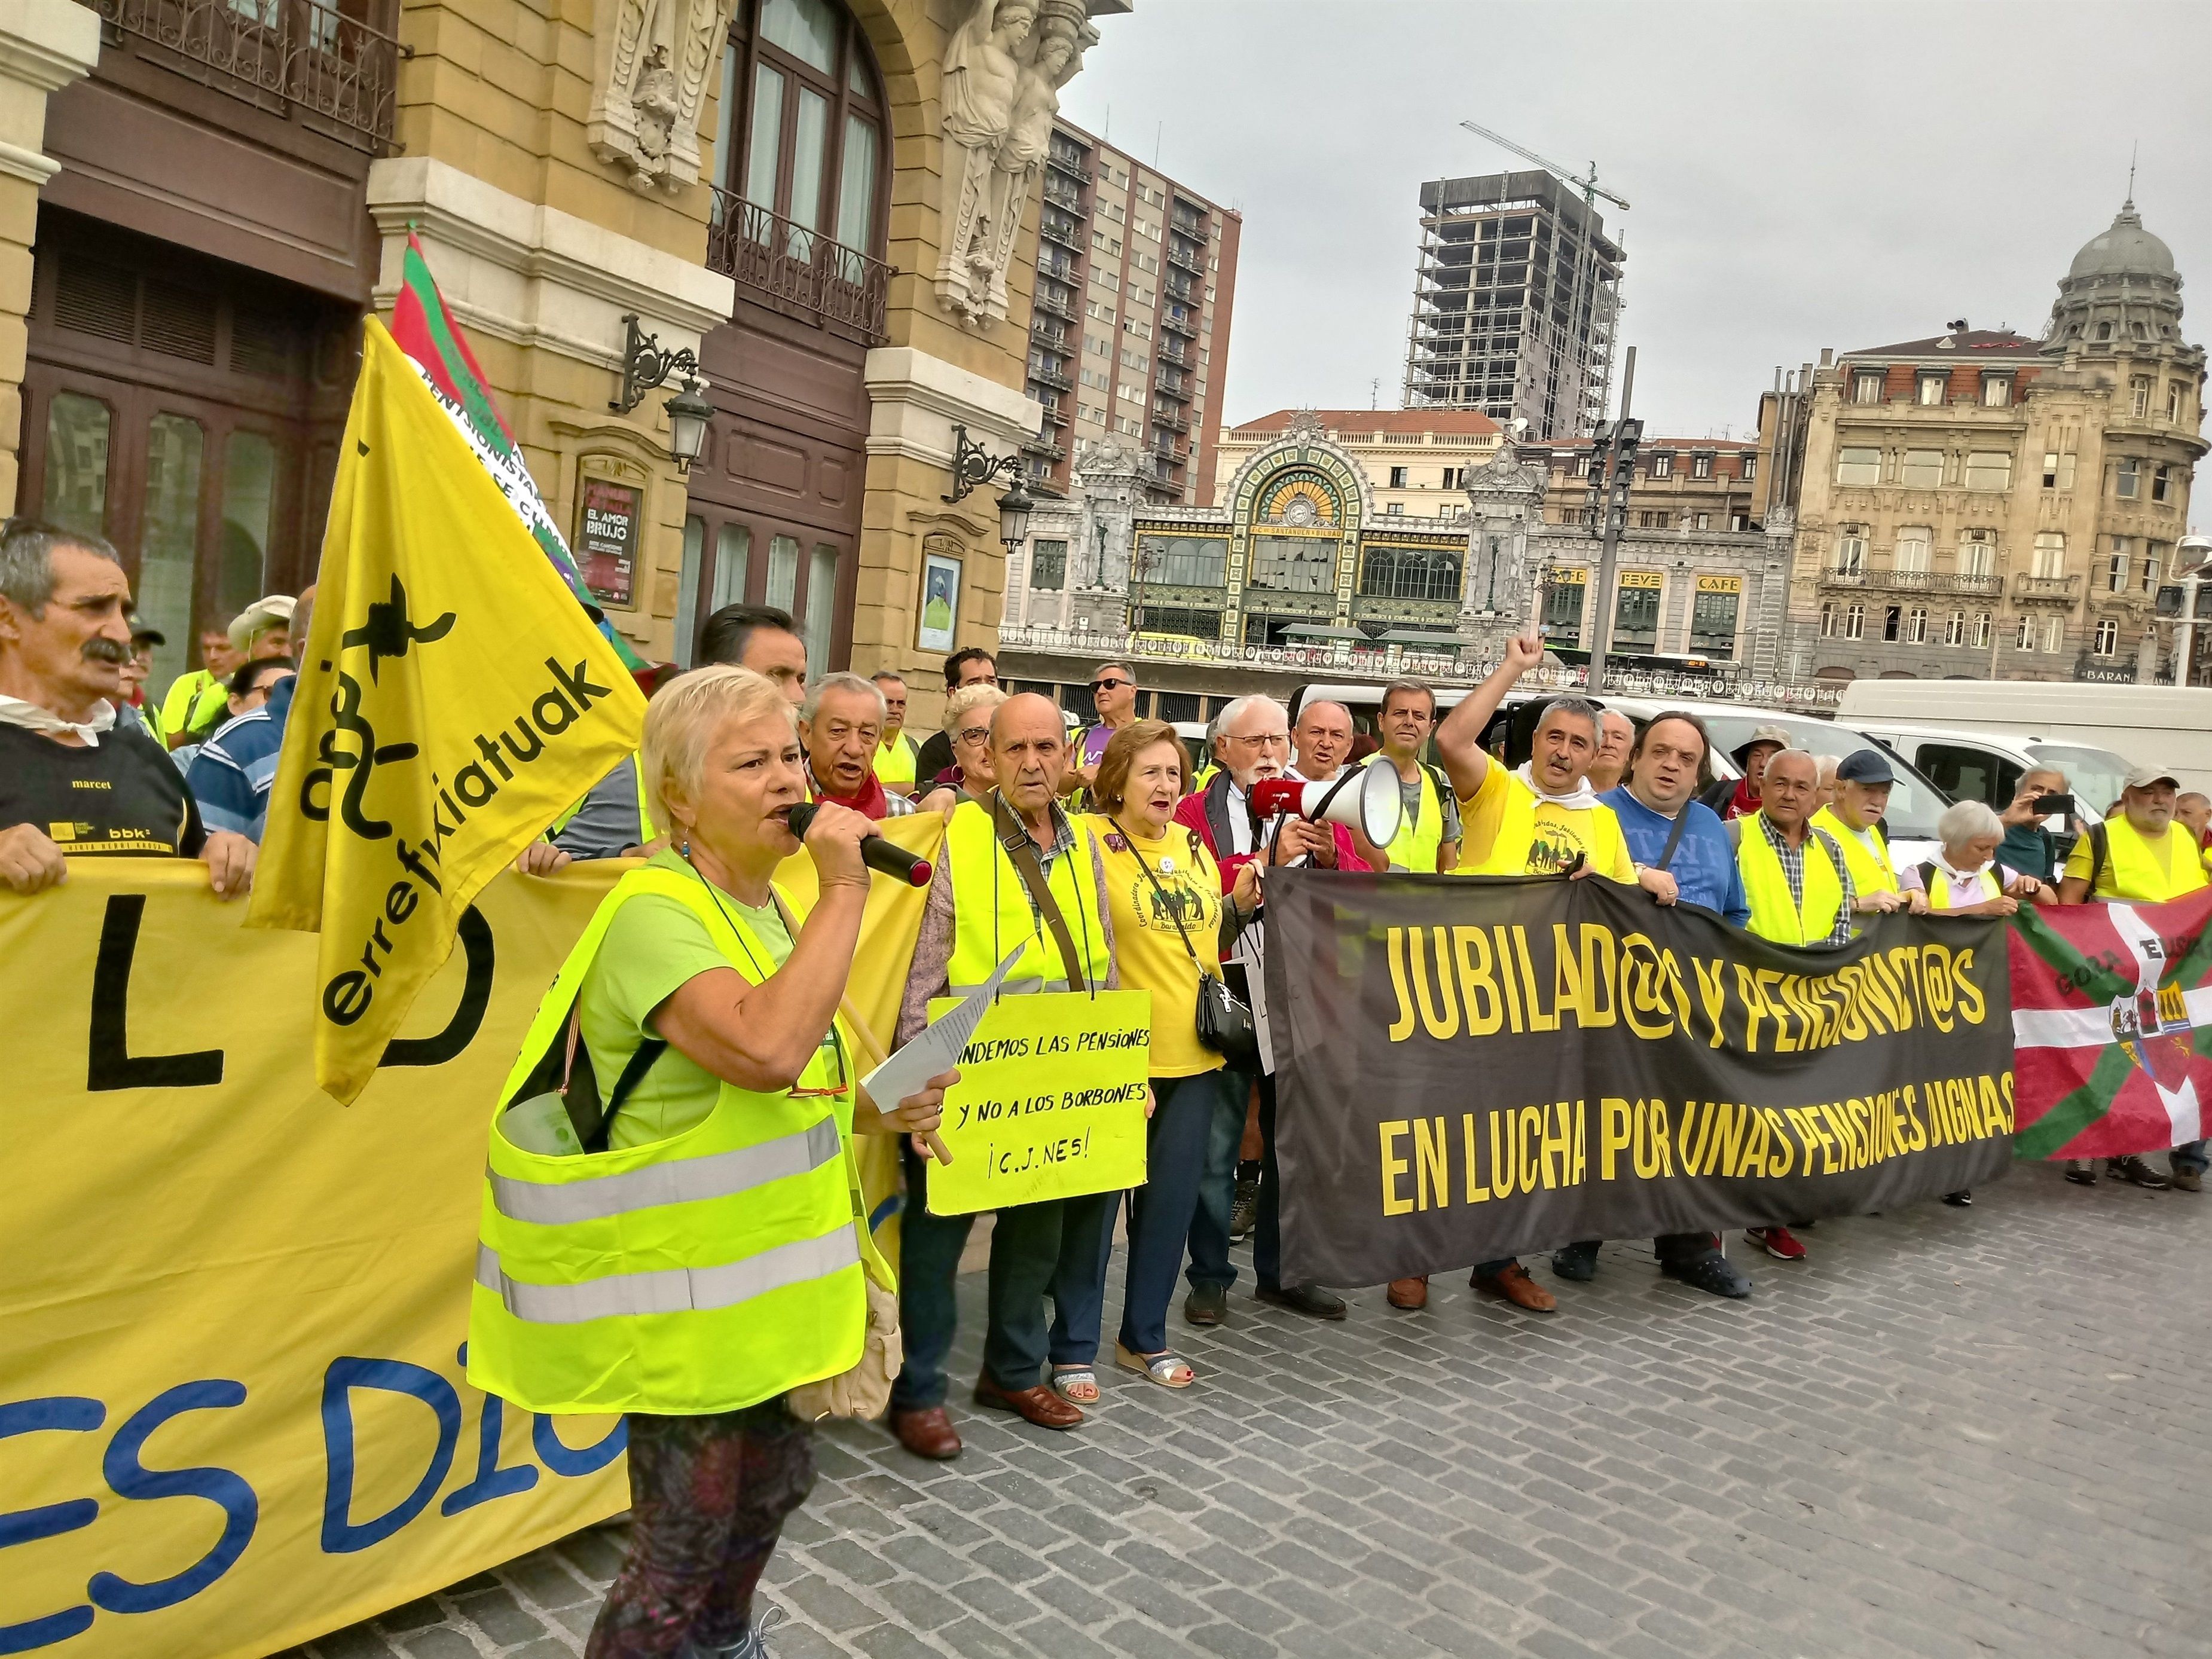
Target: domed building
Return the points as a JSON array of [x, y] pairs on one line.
[[1979, 504]]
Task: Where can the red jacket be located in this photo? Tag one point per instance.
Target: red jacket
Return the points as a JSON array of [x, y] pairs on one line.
[[1192, 812]]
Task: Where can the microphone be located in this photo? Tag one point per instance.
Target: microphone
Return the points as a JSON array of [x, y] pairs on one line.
[[876, 853]]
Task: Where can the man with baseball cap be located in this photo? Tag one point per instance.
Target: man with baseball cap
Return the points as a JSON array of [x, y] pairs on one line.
[[1863, 780], [264, 629], [1740, 800], [2140, 856]]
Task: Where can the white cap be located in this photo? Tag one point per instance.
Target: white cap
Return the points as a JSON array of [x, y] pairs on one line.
[[275, 611]]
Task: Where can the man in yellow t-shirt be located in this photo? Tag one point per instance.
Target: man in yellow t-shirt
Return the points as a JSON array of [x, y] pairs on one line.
[[2145, 858]]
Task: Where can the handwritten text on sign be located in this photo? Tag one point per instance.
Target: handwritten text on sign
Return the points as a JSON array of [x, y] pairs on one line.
[[1050, 1101]]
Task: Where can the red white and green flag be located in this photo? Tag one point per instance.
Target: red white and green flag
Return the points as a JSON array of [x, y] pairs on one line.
[[426, 331], [2112, 1021]]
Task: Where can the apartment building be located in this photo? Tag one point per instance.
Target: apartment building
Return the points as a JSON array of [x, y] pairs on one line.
[[1129, 331]]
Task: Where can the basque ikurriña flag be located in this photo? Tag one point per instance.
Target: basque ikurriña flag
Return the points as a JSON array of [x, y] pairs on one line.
[[426, 331], [2112, 1027]]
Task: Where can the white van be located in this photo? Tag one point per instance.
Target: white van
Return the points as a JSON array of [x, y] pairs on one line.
[[1987, 766], [2150, 725]]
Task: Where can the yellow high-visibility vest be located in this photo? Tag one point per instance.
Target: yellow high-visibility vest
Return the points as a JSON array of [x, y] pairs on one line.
[[1870, 871], [1937, 884], [896, 757], [190, 700], [645, 832], [1766, 889], [991, 909], [2131, 874], [703, 1272], [1418, 841]]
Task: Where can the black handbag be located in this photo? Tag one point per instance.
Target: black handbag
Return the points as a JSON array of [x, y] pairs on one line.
[[1224, 1020]]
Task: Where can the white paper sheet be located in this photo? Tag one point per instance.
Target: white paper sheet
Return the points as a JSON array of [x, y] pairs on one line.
[[937, 1047]]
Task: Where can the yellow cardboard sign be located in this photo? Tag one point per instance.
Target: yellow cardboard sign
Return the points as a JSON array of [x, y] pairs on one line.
[[1050, 1101]]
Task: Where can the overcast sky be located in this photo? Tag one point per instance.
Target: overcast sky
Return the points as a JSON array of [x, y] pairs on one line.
[[1802, 174]]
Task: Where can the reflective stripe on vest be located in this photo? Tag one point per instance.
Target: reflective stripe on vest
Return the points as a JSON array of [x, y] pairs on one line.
[[671, 1289], [686, 1180], [1418, 841], [1870, 871], [1516, 840], [895, 761], [1766, 888], [2132, 875], [991, 908], [706, 1271]]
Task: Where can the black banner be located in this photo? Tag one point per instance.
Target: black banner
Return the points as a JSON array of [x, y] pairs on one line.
[[1469, 1068]]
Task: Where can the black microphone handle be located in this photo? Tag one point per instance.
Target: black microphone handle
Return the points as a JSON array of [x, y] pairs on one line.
[[876, 853]]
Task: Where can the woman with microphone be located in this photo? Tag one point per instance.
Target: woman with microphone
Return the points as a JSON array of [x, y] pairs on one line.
[[1166, 894], [702, 1255]]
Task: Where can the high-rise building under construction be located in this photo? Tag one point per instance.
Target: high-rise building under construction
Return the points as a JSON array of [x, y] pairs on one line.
[[1515, 298]]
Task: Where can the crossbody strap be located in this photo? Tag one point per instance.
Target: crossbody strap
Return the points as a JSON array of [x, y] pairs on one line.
[[1022, 852], [1174, 909], [1674, 835]]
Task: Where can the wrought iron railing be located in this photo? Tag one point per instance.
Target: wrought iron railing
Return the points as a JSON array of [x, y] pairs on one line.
[[1066, 235], [1055, 377], [1914, 581], [1053, 263], [1068, 165], [1179, 320], [763, 250], [1186, 259], [1048, 301], [291, 56]]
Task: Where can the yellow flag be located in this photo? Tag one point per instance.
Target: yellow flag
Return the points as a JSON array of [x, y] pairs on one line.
[[454, 698]]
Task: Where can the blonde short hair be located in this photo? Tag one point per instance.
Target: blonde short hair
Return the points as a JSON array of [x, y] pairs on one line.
[[965, 702], [681, 719]]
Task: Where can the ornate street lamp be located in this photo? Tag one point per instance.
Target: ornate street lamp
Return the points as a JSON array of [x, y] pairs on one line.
[[1014, 509], [974, 466], [645, 367], [689, 416]]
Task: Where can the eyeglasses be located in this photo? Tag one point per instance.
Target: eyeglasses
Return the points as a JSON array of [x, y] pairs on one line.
[[836, 1048], [1096, 686], [972, 734], [1265, 739]]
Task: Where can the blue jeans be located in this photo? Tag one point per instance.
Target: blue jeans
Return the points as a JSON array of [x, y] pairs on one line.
[[1217, 1186], [1178, 1141], [2189, 1157], [1079, 1276]]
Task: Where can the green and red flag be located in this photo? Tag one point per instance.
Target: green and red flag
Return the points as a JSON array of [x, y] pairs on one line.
[[2111, 1019], [426, 331]]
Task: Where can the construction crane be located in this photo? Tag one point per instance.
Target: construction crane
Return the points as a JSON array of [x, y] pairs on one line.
[[1587, 186]]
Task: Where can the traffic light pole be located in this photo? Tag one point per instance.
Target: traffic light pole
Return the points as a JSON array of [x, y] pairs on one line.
[[1620, 471]]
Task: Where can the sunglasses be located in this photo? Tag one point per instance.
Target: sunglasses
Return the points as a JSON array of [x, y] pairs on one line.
[[1096, 686]]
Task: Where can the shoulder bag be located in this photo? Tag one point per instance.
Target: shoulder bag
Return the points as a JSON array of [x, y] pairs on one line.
[[1225, 1022]]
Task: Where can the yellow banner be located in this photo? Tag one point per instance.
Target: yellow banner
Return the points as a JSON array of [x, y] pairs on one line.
[[454, 698], [233, 1414], [1050, 1101]]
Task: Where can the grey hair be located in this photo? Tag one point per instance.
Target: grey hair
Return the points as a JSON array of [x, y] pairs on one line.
[[1828, 765], [26, 559], [1580, 708], [1330, 702], [1963, 820], [841, 683], [965, 702], [1230, 715]]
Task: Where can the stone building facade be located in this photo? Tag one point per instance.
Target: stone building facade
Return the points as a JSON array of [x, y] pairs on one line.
[[832, 202], [1982, 505]]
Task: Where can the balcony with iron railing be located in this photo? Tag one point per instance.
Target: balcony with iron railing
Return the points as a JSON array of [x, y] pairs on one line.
[[1168, 416], [1044, 446], [1179, 320], [1179, 287], [1189, 221], [2048, 590], [1044, 331], [1914, 581], [1069, 162], [805, 271], [1174, 382], [1184, 257], [1172, 353], [1053, 302], [315, 60], [1061, 194], [1055, 377], [1053, 263], [1068, 235], [1053, 412]]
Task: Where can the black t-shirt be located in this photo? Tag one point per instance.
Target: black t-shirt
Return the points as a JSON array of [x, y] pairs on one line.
[[934, 756], [125, 796]]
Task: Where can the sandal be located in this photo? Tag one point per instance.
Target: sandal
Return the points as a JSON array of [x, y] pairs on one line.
[[1167, 1369], [1077, 1384]]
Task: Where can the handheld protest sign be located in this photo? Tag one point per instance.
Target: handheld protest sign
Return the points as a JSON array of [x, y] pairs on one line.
[[1050, 1101]]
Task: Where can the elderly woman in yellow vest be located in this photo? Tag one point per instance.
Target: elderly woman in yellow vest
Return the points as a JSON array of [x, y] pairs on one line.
[[1164, 892], [1964, 879], [1863, 780], [710, 1258], [968, 728], [1541, 819]]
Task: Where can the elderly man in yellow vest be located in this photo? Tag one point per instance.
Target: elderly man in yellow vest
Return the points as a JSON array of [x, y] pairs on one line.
[[1862, 783], [1542, 818], [2140, 856], [1428, 839], [1015, 867], [896, 752]]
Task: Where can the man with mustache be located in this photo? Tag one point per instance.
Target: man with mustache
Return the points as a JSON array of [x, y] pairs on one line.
[[72, 783]]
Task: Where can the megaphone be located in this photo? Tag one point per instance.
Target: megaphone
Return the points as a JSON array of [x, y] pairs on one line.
[[1364, 797]]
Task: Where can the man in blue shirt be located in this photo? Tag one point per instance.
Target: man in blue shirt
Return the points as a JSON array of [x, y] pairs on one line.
[[237, 767], [1696, 866]]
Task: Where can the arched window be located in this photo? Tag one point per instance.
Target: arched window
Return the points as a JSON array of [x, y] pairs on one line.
[[800, 138]]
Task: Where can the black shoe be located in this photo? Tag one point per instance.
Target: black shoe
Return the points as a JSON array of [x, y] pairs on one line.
[[1244, 1208], [2133, 1170], [1715, 1274], [1958, 1200], [1207, 1304], [2081, 1172], [1577, 1261], [1310, 1299]]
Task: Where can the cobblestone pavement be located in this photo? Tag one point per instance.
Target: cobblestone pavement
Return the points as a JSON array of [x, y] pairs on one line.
[[1950, 1432]]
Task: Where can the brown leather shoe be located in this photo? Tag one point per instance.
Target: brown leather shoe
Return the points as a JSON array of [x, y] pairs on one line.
[[1514, 1284], [1039, 1405], [1411, 1294], [927, 1433]]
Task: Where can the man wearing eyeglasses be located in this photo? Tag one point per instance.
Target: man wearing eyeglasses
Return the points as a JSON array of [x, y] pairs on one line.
[[970, 665], [1114, 693], [1254, 743]]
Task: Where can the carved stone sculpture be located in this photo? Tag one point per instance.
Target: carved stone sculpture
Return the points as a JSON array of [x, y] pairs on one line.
[[650, 61], [982, 74], [1062, 36]]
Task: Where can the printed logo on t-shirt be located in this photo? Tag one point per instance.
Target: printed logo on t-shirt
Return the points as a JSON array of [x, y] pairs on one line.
[[90, 783], [1178, 898], [1555, 847]]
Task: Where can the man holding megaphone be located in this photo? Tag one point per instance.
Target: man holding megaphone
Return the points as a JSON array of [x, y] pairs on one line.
[[1255, 751]]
